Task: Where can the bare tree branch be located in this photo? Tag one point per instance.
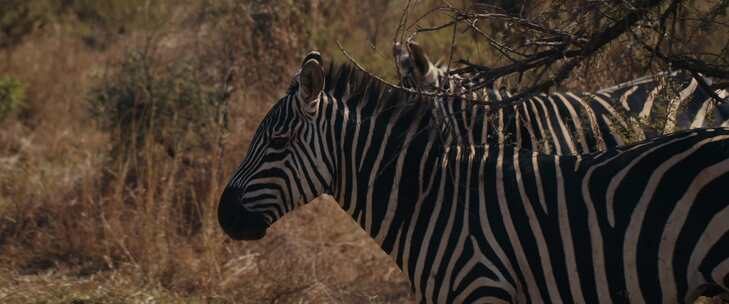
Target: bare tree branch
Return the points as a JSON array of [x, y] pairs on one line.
[[559, 39]]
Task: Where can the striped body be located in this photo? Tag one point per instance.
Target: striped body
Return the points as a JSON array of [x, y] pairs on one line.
[[672, 102], [470, 222], [577, 123]]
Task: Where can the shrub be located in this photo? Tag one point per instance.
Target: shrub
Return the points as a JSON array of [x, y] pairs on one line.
[[12, 95], [99, 23], [19, 18], [164, 111], [146, 101]]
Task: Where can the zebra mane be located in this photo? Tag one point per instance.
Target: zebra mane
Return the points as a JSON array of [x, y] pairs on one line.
[[357, 88], [369, 97]]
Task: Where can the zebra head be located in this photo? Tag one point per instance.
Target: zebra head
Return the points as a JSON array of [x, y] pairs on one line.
[[417, 72], [416, 69], [283, 167]]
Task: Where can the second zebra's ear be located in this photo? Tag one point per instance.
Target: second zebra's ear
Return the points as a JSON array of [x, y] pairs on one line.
[[399, 52], [420, 59], [311, 79]]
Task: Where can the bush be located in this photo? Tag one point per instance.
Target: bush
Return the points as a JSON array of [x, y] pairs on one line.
[[98, 23], [165, 112], [19, 18], [12, 95], [146, 101]]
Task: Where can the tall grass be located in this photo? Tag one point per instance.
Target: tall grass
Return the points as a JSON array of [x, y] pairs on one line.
[[116, 164]]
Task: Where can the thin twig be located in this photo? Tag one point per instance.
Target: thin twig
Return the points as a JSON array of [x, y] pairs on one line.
[[395, 38], [450, 55]]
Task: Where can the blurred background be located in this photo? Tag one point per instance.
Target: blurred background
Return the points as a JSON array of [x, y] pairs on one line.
[[121, 120]]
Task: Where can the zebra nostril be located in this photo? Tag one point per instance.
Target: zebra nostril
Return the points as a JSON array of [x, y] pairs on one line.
[[236, 220]]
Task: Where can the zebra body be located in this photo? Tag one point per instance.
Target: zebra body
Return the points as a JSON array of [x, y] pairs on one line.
[[469, 222], [577, 123]]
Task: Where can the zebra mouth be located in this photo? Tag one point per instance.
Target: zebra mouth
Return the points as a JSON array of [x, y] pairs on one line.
[[237, 221], [249, 235]]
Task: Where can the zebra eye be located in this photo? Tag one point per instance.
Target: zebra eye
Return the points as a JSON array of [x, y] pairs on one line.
[[279, 140]]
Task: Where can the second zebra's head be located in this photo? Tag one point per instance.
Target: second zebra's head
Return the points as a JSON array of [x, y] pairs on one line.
[[285, 164], [416, 70]]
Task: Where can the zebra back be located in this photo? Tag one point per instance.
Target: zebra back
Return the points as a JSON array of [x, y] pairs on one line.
[[574, 123]]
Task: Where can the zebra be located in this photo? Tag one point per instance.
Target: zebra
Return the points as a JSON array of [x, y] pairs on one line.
[[416, 71], [574, 123], [472, 222]]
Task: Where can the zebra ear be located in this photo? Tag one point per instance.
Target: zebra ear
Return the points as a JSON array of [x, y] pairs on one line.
[[399, 52], [311, 78], [420, 59]]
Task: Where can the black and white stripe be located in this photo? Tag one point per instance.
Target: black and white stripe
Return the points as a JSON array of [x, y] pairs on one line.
[[475, 223], [575, 123]]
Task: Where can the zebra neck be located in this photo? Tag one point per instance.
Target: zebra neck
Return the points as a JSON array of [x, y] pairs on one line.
[[380, 154], [391, 164]]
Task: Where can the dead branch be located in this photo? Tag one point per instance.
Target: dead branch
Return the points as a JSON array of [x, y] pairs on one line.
[[554, 49]]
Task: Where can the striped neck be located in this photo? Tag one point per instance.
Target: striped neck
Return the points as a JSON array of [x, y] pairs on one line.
[[385, 143]]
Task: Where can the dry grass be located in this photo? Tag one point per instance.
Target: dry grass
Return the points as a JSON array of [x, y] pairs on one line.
[[317, 255], [79, 224]]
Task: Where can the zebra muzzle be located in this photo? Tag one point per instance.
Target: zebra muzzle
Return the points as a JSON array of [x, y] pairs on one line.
[[237, 221]]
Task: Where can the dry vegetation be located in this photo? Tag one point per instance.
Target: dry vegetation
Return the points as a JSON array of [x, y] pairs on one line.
[[129, 116], [111, 169]]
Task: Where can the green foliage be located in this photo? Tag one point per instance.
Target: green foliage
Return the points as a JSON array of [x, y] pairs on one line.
[[12, 95], [19, 18], [97, 22], [148, 101]]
